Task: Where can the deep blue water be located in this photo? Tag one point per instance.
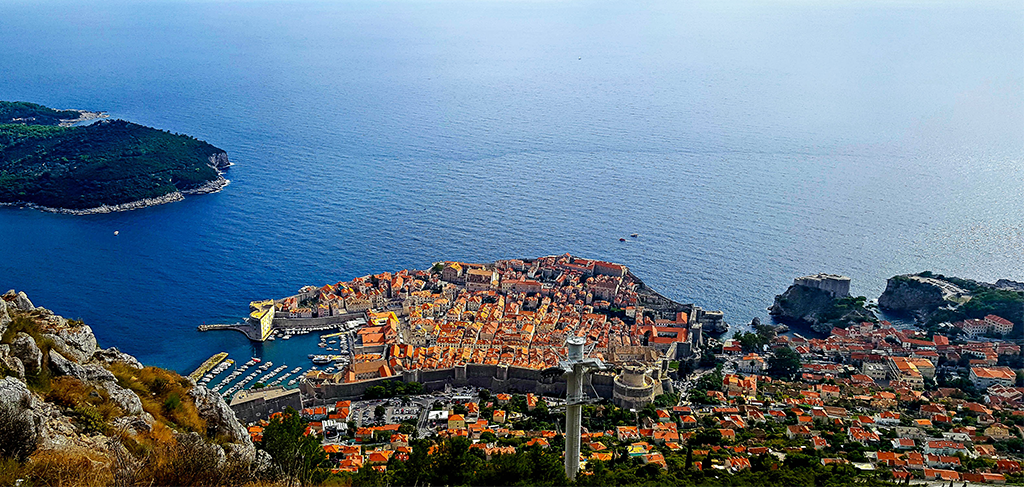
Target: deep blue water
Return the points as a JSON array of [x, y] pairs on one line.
[[747, 144]]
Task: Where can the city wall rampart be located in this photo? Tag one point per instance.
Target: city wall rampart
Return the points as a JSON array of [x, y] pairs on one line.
[[496, 378], [260, 408], [282, 322]]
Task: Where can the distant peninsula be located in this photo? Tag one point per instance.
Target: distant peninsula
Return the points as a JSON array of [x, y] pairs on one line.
[[49, 162]]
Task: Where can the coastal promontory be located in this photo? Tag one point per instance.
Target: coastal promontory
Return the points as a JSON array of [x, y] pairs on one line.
[[821, 302], [934, 299], [49, 161]]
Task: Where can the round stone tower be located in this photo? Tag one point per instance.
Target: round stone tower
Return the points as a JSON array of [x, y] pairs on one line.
[[633, 388]]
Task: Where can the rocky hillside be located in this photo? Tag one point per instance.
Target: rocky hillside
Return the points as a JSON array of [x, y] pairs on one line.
[[72, 413], [818, 309]]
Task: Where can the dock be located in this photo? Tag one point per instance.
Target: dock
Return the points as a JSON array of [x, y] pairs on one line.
[[207, 366], [250, 332]]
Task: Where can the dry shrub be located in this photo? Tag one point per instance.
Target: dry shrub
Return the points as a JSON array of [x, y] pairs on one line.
[[164, 394], [10, 471], [18, 437], [91, 406], [55, 468], [161, 435], [190, 461], [68, 392], [22, 323]]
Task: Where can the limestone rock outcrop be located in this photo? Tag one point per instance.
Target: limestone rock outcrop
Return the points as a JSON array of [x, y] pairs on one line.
[[14, 391], [904, 294], [125, 399], [68, 349], [220, 419], [62, 366], [112, 355], [25, 348], [5, 317], [11, 363], [78, 342], [19, 300]]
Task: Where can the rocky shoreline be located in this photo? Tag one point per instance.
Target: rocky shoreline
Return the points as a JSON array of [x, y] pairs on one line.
[[83, 116], [818, 309], [132, 205], [209, 187]]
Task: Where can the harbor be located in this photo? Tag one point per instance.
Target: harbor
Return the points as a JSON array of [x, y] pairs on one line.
[[281, 364]]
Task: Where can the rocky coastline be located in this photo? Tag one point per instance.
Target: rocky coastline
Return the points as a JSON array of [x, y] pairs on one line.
[[133, 205], [208, 187], [83, 116], [912, 296]]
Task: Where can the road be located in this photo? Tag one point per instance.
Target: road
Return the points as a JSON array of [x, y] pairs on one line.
[[685, 385]]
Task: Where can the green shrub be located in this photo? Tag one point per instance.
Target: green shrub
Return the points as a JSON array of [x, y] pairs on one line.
[[172, 403]]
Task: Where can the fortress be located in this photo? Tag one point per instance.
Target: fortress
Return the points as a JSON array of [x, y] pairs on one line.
[[838, 286]]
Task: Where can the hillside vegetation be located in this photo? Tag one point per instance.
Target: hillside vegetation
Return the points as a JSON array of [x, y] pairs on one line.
[[106, 163], [987, 299], [31, 113]]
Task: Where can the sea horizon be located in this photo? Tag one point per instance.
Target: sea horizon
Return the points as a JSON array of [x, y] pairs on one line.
[[745, 144]]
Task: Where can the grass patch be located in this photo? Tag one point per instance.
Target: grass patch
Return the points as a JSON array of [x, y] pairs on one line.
[[20, 324], [89, 405]]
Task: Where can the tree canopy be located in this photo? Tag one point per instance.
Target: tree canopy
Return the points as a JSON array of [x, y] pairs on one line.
[[105, 163]]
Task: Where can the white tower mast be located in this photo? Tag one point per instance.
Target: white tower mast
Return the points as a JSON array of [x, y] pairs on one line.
[[574, 368]]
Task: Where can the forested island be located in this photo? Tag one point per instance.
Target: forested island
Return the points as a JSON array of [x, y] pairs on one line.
[[48, 162]]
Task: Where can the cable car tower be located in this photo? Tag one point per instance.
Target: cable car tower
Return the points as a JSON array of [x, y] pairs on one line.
[[574, 368]]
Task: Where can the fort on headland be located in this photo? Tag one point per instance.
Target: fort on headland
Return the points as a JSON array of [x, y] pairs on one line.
[[838, 286], [494, 325]]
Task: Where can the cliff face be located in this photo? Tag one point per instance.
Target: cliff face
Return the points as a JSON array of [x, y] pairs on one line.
[[818, 309], [71, 397], [219, 161], [913, 297]]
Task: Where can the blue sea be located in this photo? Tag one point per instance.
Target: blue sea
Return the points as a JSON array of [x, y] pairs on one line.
[[747, 143]]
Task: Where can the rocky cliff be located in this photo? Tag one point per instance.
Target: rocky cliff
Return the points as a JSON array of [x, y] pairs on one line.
[[911, 296], [64, 397], [818, 309]]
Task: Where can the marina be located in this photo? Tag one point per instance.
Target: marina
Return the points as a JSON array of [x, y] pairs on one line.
[[227, 376]]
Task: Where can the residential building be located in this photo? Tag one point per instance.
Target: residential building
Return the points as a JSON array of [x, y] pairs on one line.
[[752, 364], [984, 377], [999, 325], [905, 369]]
